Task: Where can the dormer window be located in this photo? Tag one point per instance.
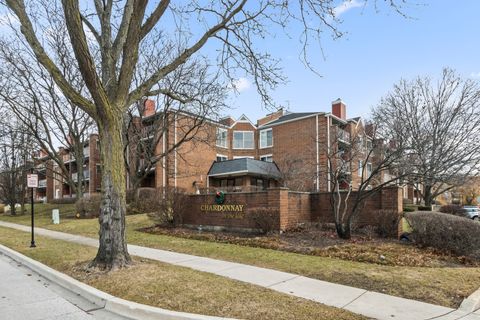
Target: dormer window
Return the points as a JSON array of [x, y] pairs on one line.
[[222, 138], [266, 138]]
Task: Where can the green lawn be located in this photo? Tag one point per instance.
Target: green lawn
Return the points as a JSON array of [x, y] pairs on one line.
[[443, 286], [171, 287]]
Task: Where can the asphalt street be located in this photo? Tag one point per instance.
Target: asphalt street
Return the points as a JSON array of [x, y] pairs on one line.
[[25, 295]]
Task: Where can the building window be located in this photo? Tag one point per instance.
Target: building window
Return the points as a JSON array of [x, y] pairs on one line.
[[221, 157], [266, 138], [243, 140], [222, 138], [259, 183], [369, 169], [369, 145], [360, 168], [238, 182], [266, 158]]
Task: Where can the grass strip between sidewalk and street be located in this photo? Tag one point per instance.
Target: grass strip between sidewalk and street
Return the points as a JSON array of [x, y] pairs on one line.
[[446, 286], [172, 287]]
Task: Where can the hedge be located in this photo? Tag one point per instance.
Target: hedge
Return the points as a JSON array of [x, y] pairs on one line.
[[445, 232]]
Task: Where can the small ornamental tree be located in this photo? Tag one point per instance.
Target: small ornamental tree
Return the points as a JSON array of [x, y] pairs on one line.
[[359, 165]]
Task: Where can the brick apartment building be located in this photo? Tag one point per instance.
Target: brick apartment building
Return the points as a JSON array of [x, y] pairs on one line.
[[297, 144], [51, 183], [282, 149]]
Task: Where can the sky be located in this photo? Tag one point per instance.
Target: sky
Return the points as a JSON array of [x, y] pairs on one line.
[[379, 49]]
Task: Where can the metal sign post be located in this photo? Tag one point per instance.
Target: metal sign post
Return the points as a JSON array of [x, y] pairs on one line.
[[32, 182]]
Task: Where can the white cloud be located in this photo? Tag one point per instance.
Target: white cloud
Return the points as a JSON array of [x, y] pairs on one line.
[[241, 84], [475, 75], [346, 6]]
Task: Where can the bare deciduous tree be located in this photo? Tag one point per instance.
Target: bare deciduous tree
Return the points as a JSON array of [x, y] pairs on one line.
[[195, 100], [119, 50], [15, 146], [439, 123], [360, 164], [49, 118]]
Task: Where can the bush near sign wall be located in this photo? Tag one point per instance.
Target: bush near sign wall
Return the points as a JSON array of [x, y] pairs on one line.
[[89, 206], [445, 232], [386, 224], [170, 208], [63, 201], [266, 219]]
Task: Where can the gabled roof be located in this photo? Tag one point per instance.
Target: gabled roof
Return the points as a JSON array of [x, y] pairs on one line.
[[244, 166], [290, 117], [243, 119]]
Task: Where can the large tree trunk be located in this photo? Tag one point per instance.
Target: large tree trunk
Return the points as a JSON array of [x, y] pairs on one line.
[[13, 194], [344, 230], [112, 253], [427, 195], [13, 210]]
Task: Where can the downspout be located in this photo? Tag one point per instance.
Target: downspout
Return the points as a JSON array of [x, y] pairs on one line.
[[164, 160], [328, 153], [175, 152], [318, 156], [128, 164]]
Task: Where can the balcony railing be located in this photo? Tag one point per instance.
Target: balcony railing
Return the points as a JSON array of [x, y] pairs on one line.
[[232, 189], [86, 175], [343, 135], [148, 132], [70, 157]]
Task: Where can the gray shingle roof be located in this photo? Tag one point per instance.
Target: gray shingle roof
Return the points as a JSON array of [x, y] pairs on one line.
[[290, 116], [245, 166], [356, 119]]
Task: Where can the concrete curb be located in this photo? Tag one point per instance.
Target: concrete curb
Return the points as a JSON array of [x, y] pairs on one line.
[[471, 303], [101, 299]]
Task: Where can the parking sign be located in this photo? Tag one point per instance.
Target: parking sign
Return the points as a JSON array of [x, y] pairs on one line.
[[32, 180]]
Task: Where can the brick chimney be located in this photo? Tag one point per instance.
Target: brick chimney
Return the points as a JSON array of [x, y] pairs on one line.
[[43, 153], [270, 117], [148, 108], [70, 139], [339, 109]]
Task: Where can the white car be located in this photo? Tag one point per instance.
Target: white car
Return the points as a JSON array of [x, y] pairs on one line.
[[472, 212]]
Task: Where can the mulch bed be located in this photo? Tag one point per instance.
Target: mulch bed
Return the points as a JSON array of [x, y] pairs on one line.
[[323, 241]]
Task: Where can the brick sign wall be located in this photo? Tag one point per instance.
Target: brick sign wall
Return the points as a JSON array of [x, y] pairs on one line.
[[291, 208], [234, 213], [390, 198]]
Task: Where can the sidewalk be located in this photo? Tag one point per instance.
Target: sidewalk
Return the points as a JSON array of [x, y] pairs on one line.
[[360, 301]]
